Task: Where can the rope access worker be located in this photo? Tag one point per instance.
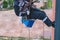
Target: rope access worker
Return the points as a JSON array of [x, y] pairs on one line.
[[23, 7]]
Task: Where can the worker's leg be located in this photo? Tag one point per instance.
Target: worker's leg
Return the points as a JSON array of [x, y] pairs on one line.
[[41, 15]]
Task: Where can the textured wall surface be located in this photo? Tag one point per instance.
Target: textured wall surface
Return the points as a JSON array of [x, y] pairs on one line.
[[10, 26]]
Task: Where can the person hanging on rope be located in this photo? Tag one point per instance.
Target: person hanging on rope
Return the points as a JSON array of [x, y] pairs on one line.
[[21, 6]]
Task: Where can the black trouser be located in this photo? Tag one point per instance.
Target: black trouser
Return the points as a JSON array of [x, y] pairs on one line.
[[41, 15]]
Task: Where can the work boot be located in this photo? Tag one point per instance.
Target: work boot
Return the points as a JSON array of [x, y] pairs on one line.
[[53, 24]]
